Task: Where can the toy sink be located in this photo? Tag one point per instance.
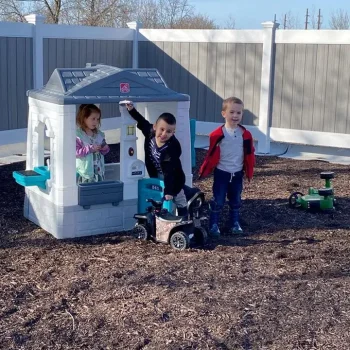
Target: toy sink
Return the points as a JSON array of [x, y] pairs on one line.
[[35, 177]]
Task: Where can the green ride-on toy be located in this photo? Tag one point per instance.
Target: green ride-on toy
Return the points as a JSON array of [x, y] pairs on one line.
[[316, 199]]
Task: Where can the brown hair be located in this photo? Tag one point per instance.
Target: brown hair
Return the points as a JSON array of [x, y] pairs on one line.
[[231, 100], [84, 112]]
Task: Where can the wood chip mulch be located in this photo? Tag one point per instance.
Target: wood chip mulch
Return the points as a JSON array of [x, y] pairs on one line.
[[285, 285]]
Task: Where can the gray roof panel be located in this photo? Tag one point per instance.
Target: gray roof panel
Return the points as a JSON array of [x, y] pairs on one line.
[[103, 84]]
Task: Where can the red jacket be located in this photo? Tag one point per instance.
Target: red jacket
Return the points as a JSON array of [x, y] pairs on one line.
[[213, 156]]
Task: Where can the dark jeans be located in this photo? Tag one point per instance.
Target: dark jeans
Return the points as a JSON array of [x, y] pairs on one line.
[[226, 184]]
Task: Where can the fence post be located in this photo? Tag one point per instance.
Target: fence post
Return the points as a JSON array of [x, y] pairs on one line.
[[38, 49], [265, 111], [135, 44]]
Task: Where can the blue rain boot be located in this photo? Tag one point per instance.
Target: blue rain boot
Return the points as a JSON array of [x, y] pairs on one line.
[[214, 219], [236, 228]]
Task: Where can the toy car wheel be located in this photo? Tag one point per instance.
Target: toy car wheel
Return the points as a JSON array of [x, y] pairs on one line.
[[179, 240], [200, 236], [325, 191], [141, 232], [294, 199], [327, 175]]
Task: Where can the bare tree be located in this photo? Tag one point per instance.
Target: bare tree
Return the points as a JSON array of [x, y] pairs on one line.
[[146, 12], [313, 20], [289, 21], [168, 14], [112, 13], [51, 10], [173, 11], [195, 22], [96, 13], [85, 12], [339, 20], [14, 11], [230, 23]]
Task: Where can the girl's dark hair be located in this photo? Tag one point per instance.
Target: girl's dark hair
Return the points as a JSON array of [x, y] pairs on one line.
[[168, 118], [84, 112]]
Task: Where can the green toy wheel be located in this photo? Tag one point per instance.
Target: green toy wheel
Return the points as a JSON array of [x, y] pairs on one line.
[[325, 192], [294, 199], [326, 175]]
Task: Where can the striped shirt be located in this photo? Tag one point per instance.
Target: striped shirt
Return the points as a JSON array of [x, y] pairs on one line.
[[156, 152]]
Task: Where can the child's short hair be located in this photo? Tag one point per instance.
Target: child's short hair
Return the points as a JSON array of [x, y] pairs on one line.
[[229, 100], [84, 111], [168, 118]]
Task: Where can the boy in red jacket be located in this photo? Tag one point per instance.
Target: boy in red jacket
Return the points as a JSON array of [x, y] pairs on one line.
[[230, 156]]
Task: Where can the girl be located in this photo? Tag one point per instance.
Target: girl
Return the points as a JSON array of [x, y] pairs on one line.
[[90, 145]]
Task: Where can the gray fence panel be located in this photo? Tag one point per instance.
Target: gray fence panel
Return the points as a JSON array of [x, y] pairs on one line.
[[311, 87], [342, 122], [211, 68], [257, 82], [298, 88], [200, 112], [230, 66], [184, 63], [71, 53], [4, 116], [209, 72], [332, 76], [192, 78], [320, 87], [16, 77]]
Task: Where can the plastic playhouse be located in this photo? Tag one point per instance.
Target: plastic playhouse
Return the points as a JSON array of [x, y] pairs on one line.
[[53, 200]]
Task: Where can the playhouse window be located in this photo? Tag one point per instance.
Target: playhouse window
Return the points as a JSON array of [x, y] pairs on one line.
[[130, 130]]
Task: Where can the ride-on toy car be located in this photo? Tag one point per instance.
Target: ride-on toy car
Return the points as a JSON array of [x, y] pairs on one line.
[[161, 226], [316, 199]]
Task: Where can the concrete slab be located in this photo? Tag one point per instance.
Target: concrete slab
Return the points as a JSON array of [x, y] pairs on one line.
[[12, 149], [12, 159], [16, 152], [303, 152]]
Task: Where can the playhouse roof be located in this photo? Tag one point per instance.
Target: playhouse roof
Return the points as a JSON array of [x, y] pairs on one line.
[[103, 84]]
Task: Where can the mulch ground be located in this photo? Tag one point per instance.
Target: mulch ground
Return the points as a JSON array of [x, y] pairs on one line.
[[283, 286]]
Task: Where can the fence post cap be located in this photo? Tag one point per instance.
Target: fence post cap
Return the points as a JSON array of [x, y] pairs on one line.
[[34, 18]]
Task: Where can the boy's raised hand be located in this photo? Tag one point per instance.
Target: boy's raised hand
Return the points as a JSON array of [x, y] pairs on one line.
[[129, 105]]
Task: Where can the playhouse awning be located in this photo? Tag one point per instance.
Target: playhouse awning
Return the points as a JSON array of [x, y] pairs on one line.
[[105, 84]]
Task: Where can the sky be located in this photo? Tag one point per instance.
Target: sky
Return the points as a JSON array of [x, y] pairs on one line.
[[249, 14]]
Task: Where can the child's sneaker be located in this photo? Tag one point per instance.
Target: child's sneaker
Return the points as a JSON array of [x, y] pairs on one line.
[[236, 229], [214, 231]]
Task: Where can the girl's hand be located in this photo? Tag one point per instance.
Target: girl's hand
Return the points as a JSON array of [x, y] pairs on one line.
[[104, 148], [96, 148], [168, 197]]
